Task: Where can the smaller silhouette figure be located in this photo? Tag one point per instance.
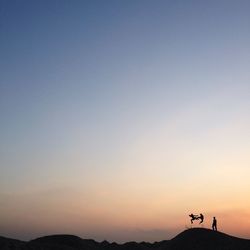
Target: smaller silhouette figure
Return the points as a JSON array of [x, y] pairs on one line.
[[193, 217], [214, 225], [201, 218]]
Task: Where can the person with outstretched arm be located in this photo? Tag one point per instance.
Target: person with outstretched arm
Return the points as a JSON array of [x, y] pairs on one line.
[[193, 217]]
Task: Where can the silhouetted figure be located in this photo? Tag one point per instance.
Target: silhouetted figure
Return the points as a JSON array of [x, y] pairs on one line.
[[201, 218], [193, 217], [214, 225]]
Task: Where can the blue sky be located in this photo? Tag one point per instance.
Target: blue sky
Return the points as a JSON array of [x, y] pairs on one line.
[[127, 98]]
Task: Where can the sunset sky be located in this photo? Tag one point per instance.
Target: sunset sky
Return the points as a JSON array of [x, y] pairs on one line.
[[120, 118]]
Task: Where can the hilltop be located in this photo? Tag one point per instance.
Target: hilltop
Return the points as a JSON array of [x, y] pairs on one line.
[[191, 239]]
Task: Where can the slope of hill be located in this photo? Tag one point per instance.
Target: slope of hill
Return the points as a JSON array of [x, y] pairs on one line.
[[191, 239], [6, 243], [205, 239]]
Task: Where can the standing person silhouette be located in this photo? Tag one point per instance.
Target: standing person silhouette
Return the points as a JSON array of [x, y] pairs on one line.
[[214, 225]]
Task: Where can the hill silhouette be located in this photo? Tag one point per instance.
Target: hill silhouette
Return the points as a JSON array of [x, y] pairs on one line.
[[206, 239], [191, 239]]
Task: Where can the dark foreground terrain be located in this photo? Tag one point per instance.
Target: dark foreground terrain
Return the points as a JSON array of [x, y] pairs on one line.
[[192, 239]]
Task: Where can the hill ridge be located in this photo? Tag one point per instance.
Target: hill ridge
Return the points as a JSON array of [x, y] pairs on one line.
[[190, 239]]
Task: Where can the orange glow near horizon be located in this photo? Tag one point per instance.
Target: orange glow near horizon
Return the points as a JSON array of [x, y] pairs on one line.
[[164, 214]]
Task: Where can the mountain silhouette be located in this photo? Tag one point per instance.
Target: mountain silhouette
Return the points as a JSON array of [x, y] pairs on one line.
[[191, 239], [206, 239]]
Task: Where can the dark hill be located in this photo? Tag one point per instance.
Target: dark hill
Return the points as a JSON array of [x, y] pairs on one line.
[[206, 239], [66, 242], [6, 243], [192, 239]]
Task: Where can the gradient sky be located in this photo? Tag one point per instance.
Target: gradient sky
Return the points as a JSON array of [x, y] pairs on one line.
[[120, 118]]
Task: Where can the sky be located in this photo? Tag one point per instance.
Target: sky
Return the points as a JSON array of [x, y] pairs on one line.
[[120, 118]]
